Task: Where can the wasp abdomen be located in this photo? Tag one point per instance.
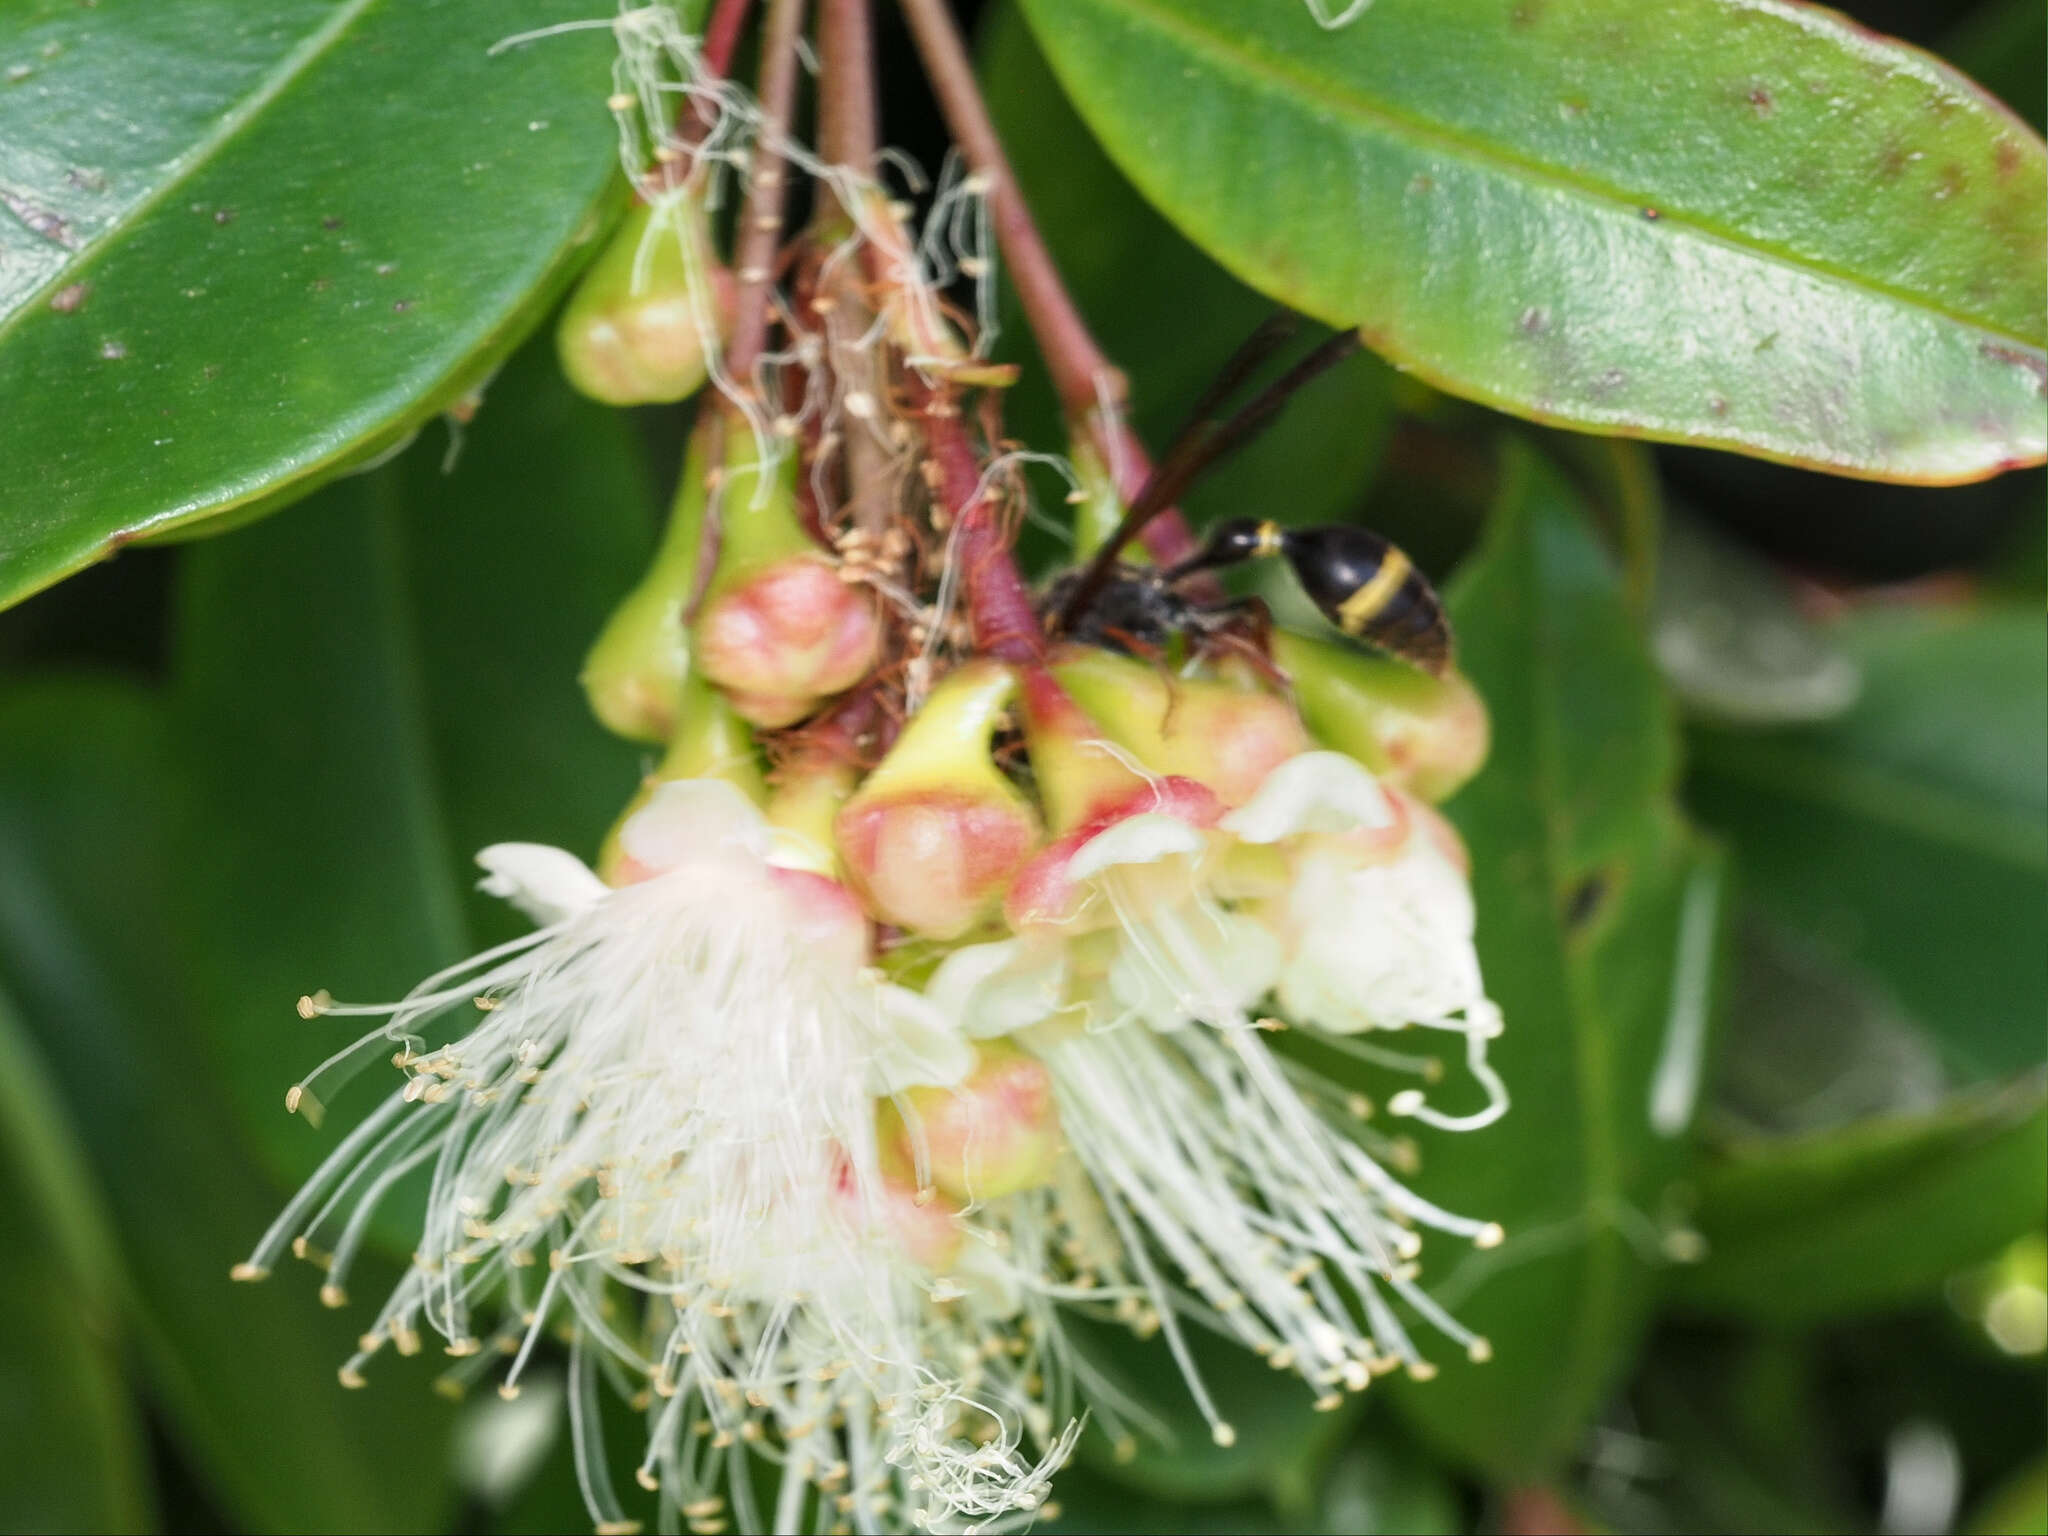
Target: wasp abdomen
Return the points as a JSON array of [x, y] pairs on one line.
[[1372, 591]]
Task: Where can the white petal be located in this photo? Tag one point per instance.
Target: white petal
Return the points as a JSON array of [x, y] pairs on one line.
[[547, 884], [1000, 988], [1205, 969], [1141, 839], [1312, 792], [690, 820], [916, 1044]]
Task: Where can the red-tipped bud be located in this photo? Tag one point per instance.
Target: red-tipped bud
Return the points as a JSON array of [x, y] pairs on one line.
[[934, 835], [638, 328], [1424, 734], [1045, 892], [779, 630], [993, 1135], [1213, 731]]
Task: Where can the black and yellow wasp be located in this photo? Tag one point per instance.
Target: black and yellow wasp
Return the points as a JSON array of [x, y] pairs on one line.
[[1362, 583]]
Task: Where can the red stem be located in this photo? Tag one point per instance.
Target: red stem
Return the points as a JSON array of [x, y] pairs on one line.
[[999, 606], [722, 35], [760, 230], [1084, 378]]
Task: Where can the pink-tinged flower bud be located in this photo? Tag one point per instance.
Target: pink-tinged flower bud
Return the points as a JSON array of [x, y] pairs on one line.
[[1427, 735], [634, 674], [1045, 893], [992, 1135], [1211, 730], [922, 1224], [780, 630], [934, 835], [637, 329]]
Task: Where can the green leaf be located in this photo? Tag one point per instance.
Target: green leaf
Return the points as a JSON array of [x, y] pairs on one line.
[[1137, 283], [2020, 1508], [243, 248], [244, 1376], [1854, 1219], [1598, 923], [1898, 864], [371, 690], [75, 1458], [1752, 226], [1910, 836]]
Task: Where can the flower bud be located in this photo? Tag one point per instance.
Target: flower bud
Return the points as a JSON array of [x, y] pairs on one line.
[[934, 835], [809, 790], [710, 742], [1213, 731], [779, 630], [1424, 734], [992, 1135], [637, 327], [633, 676]]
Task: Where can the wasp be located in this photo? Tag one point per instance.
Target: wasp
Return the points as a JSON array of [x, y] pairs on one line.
[[1363, 584]]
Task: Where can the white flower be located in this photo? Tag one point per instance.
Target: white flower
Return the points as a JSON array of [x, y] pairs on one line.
[[1214, 1181], [1376, 916], [669, 1100]]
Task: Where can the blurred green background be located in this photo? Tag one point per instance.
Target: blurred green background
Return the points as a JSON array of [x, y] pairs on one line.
[[1802, 807]]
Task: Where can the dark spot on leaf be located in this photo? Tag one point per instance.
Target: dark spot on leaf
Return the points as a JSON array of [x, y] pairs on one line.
[[1761, 100], [331, 221], [1535, 320], [2007, 156], [223, 215], [1421, 183], [1585, 902], [1652, 214], [386, 268], [2032, 362], [1953, 180], [1718, 404], [1528, 13], [321, 284], [68, 300], [1611, 380], [1768, 341], [1891, 162], [1571, 107], [40, 221], [402, 305]]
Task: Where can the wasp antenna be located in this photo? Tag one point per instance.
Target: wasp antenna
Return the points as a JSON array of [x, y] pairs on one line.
[[1205, 442]]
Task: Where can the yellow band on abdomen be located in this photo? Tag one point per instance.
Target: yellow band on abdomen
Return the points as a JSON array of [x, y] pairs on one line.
[[1364, 605]]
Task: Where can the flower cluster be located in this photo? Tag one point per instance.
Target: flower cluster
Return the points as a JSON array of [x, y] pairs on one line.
[[933, 986]]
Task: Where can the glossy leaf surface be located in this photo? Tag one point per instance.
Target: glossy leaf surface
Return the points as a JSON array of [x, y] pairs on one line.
[[244, 246], [1910, 836], [1738, 223], [1807, 1229]]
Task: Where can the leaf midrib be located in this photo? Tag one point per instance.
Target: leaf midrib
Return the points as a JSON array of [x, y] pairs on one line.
[[178, 171], [1285, 79]]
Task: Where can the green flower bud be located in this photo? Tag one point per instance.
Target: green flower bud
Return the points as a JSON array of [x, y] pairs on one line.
[[934, 835], [1215, 731], [710, 742], [634, 674], [1424, 734], [636, 329]]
